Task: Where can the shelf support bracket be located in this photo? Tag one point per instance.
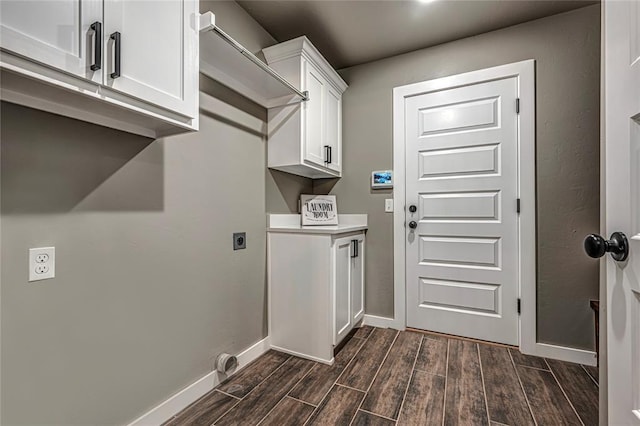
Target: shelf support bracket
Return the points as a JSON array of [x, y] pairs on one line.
[[207, 22]]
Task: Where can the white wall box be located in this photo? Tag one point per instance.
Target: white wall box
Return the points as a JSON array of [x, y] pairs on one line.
[[306, 139], [108, 62], [316, 284]]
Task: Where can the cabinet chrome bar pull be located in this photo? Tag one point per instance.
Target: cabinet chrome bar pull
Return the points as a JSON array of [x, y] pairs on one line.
[[96, 27], [116, 60]]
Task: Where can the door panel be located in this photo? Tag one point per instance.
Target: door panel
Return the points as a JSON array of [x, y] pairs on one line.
[[461, 174], [314, 110], [622, 170], [463, 116], [55, 33], [342, 292], [158, 54], [470, 297], [459, 162], [460, 206]]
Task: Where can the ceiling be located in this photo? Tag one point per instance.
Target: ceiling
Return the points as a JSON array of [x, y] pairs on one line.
[[357, 31]]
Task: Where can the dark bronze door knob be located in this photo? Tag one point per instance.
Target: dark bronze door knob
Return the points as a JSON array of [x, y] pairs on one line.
[[413, 224], [413, 208], [618, 246]]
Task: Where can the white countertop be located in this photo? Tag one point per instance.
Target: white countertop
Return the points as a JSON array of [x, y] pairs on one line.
[[291, 223]]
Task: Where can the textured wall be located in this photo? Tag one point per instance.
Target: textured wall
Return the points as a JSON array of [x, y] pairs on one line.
[[566, 48], [148, 289]]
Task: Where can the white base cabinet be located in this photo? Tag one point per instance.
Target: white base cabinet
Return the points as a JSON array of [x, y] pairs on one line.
[[316, 288]]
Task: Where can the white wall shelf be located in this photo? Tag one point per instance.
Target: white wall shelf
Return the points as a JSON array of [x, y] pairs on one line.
[[225, 60]]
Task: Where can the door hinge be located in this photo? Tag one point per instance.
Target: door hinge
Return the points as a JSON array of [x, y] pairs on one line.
[[517, 105], [518, 205], [519, 306]]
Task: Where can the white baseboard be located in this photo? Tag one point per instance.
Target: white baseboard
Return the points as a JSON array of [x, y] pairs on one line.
[[301, 355], [190, 394], [564, 353], [382, 322]]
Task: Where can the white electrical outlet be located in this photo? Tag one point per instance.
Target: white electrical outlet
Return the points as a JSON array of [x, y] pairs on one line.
[[388, 205], [42, 263]]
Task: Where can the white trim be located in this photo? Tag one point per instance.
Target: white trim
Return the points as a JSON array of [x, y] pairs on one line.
[[181, 400], [381, 322], [564, 353], [525, 73], [301, 355]]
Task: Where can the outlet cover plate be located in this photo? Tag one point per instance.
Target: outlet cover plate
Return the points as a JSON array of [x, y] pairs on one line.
[[239, 240], [42, 263]]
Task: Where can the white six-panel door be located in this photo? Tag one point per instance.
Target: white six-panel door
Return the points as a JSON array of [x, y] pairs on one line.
[[462, 178], [622, 180]]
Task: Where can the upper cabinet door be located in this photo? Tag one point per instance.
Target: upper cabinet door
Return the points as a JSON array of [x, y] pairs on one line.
[[314, 110], [333, 127], [56, 33], [156, 43]]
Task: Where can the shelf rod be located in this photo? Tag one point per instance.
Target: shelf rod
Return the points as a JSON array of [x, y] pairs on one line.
[[207, 23]]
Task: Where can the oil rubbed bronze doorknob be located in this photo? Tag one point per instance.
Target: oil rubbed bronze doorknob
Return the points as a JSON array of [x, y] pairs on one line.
[[618, 246], [413, 224], [413, 208]]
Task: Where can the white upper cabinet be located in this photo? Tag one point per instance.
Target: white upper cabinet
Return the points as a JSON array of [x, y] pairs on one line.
[[54, 33], [126, 64], [306, 139], [156, 54]]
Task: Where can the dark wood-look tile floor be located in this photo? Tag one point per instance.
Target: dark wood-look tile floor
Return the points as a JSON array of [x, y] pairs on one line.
[[385, 377]]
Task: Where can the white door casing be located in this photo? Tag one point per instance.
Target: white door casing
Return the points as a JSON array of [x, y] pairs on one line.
[[55, 33], [621, 30], [474, 249]]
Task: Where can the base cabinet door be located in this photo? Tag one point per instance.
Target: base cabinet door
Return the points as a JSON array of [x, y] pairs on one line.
[[348, 284], [342, 288], [357, 280], [54, 33]]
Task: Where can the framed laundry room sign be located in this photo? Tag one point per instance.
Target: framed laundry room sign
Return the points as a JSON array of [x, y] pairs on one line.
[[319, 210]]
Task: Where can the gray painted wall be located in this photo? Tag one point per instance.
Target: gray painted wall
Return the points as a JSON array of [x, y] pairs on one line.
[[148, 289], [567, 50]]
